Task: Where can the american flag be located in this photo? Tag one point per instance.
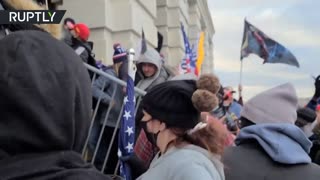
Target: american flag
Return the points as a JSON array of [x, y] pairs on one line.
[[194, 57], [127, 128], [188, 62]]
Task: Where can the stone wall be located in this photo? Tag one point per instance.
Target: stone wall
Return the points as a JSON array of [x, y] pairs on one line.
[[113, 21]]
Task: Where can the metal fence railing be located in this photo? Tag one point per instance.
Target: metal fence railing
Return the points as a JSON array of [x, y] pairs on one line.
[[93, 154]]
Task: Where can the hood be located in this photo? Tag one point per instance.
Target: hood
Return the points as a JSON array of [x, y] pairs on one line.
[[65, 165], [276, 105], [153, 57], [284, 143], [53, 29], [45, 95]]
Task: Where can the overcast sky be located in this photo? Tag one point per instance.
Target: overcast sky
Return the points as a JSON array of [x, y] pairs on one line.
[[293, 23]]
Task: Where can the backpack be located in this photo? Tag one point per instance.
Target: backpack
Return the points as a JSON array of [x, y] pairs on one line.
[[91, 57]]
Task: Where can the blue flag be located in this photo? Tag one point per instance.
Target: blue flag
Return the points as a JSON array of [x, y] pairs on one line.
[[127, 128], [256, 42]]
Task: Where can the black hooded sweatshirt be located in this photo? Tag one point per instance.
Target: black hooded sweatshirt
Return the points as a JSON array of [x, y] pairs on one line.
[[45, 102]]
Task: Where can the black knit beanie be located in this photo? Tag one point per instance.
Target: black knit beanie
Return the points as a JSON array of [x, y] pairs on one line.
[[306, 114], [170, 102]]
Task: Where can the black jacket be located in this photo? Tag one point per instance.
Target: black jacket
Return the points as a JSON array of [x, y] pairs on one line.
[[45, 104], [84, 52], [249, 161]]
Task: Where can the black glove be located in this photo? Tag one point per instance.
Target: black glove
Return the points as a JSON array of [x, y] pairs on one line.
[[317, 87], [138, 167], [231, 123]]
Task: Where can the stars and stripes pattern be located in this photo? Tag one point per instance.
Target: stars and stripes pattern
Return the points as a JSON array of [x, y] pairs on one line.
[[127, 128], [194, 57], [188, 63]]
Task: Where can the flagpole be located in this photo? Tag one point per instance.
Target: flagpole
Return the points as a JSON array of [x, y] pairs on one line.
[[241, 56], [241, 71]]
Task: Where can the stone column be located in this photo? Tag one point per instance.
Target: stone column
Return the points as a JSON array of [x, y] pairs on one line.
[[170, 14]]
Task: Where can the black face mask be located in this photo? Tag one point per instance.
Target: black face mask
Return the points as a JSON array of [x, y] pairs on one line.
[[152, 138]]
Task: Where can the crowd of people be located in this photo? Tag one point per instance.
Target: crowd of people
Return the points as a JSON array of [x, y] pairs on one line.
[[187, 127]]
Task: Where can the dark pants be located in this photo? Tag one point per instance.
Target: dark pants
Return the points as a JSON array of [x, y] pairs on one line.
[[103, 147]]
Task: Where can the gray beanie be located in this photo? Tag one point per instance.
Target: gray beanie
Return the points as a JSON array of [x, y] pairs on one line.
[[276, 105]]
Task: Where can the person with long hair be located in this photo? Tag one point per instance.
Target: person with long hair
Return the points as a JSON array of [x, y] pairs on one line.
[[188, 148]]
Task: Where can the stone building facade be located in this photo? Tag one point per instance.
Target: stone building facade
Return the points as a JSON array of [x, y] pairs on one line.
[[122, 21]]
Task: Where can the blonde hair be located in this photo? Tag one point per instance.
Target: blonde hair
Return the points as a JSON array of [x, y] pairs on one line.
[[117, 67]]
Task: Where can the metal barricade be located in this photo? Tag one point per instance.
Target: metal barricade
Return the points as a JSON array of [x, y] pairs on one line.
[[91, 154]]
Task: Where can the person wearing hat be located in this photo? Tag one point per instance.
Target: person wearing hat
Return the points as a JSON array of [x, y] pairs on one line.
[[143, 147], [306, 120], [149, 70], [104, 88], [188, 148], [270, 145], [316, 129], [231, 105], [315, 138], [80, 35], [315, 100], [45, 109], [314, 104]]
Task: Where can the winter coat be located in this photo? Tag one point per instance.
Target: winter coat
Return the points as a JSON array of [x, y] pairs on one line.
[[270, 152], [235, 108], [187, 163], [315, 150], [112, 93], [82, 49], [67, 37], [45, 109], [160, 76]]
